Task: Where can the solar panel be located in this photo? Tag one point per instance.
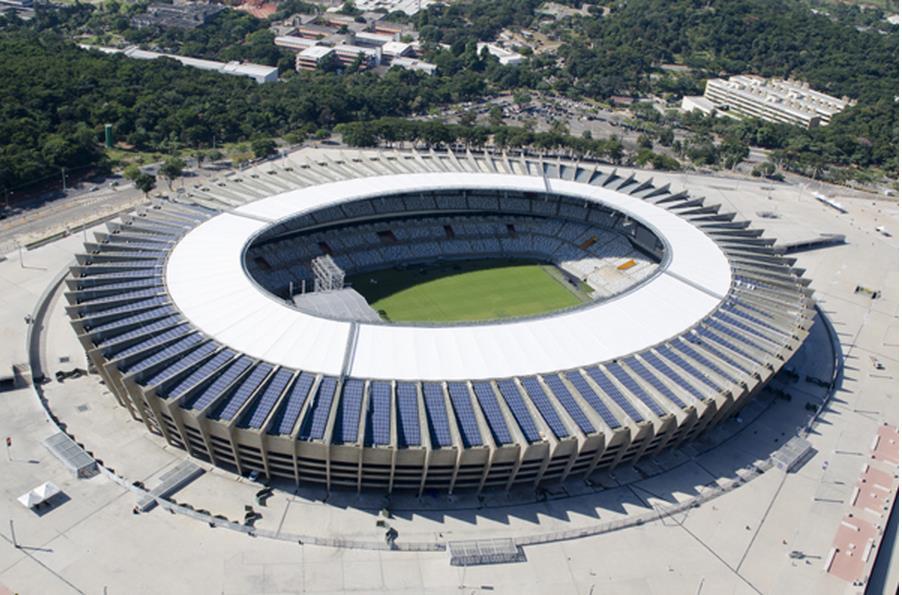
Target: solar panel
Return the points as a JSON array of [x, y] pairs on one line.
[[178, 366], [734, 308], [687, 349], [728, 331], [379, 420], [314, 425], [543, 404], [199, 374], [646, 375], [136, 319], [259, 411], [736, 322], [658, 364], [229, 408], [117, 352], [146, 329], [128, 295], [485, 396], [216, 389], [165, 353], [436, 414], [515, 403], [712, 338], [573, 409], [126, 308], [113, 287], [292, 405], [408, 414], [348, 420], [463, 412], [605, 384], [631, 385]]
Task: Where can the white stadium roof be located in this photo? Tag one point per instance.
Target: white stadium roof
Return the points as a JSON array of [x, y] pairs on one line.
[[209, 285]]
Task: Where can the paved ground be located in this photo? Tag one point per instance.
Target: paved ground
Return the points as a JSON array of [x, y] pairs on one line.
[[736, 543]]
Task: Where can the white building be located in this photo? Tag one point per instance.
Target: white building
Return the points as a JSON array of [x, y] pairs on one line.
[[414, 64], [258, 72], [294, 43], [312, 57], [506, 57], [774, 100]]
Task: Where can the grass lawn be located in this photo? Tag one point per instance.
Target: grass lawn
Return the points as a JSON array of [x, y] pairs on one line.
[[483, 289]]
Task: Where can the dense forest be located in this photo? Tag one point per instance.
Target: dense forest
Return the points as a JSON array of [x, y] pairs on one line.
[[55, 98]]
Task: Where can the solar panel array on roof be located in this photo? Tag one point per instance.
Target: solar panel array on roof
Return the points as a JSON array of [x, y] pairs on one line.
[[655, 362], [130, 320], [485, 396], [230, 406], [348, 420], [125, 308], [543, 404], [632, 386], [292, 405], [678, 360], [709, 338], [379, 419], [688, 348], [463, 411], [734, 308], [725, 329], [436, 414], [518, 408], [216, 389], [111, 340], [573, 409], [408, 414], [119, 297], [645, 374], [201, 373], [605, 384], [736, 322], [314, 425], [260, 410], [183, 363], [118, 351]]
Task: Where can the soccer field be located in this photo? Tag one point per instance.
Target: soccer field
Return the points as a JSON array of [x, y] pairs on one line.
[[471, 290]]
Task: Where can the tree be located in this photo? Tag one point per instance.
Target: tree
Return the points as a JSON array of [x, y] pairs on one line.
[[496, 115], [171, 169], [145, 183], [467, 118], [263, 147]]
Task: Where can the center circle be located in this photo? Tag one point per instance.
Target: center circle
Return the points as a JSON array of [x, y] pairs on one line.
[[455, 256]]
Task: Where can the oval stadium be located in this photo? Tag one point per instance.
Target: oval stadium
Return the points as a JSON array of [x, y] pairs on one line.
[[429, 321]]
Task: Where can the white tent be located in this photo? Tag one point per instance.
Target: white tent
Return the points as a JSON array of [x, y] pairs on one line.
[[39, 495]]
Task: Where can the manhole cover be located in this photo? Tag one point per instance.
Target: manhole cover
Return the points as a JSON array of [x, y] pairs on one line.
[[82, 407]]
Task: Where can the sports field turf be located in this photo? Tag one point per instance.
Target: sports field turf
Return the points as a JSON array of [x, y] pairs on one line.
[[464, 290]]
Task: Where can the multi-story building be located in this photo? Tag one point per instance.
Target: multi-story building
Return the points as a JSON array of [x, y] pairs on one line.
[[396, 49], [774, 100], [347, 54], [189, 15], [312, 57]]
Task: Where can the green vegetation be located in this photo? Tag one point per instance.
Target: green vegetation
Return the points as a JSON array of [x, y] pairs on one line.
[[471, 290], [55, 98]]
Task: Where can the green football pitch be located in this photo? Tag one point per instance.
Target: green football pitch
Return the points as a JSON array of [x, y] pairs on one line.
[[471, 290]]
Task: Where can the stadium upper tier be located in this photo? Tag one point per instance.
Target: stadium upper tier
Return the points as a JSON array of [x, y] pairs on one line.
[[183, 309]]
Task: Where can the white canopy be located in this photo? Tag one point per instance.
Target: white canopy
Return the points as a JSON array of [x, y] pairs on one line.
[[208, 283], [39, 495]]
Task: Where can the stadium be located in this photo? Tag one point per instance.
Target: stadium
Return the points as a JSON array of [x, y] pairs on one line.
[[431, 321]]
